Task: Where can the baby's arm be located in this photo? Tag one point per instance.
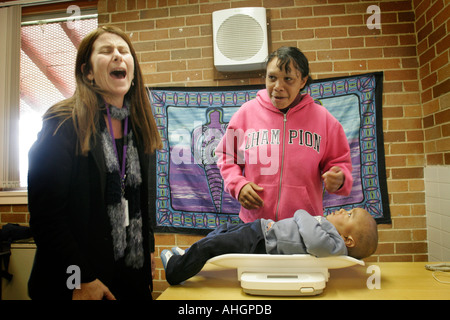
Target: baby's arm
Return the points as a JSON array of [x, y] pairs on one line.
[[320, 236]]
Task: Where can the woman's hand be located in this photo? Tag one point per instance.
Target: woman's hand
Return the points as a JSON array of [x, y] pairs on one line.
[[333, 179], [249, 198], [94, 290]]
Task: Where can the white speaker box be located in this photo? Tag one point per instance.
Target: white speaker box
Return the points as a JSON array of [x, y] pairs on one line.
[[240, 39]]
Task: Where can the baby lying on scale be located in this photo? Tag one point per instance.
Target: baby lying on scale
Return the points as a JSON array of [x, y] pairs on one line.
[[343, 232]]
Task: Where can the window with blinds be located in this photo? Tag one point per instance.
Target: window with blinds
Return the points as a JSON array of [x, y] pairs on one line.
[[47, 74]]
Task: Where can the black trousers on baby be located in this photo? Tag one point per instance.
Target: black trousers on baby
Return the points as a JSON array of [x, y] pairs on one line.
[[227, 238]]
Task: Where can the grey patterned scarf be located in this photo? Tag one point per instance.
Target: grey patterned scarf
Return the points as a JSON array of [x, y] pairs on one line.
[[126, 231]]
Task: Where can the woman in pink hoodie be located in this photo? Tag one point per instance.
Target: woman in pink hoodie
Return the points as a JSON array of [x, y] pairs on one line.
[[282, 148]]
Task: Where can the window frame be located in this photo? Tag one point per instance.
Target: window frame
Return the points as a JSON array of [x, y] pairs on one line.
[[50, 13]]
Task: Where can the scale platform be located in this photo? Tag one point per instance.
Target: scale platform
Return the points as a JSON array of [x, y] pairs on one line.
[[283, 275]]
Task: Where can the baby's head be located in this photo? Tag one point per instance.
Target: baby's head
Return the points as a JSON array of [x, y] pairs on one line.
[[358, 229]]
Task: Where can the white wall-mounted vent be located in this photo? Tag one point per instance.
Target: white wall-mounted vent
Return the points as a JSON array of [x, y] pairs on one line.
[[240, 39]]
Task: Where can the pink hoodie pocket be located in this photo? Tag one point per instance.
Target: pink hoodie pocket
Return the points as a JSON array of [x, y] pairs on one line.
[[294, 198]]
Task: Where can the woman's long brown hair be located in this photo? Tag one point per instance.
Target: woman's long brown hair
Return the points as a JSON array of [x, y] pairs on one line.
[[83, 106]]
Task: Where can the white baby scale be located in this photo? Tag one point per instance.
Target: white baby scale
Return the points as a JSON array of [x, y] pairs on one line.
[[283, 275]]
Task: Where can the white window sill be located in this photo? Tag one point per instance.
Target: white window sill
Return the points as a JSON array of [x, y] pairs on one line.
[[13, 197]]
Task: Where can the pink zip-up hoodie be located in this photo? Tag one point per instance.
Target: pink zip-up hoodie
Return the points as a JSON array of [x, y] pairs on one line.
[[286, 154]]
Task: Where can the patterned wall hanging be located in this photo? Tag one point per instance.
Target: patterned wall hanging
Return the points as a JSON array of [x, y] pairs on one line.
[[190, 197]]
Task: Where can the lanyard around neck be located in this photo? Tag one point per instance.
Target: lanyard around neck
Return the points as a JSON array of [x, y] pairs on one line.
[[125, 145]]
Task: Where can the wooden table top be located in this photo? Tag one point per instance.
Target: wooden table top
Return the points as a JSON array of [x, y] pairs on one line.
[[397, 280]]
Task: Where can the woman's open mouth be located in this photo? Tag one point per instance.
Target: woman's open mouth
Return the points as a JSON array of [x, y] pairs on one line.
[[277, 98], [118, 74]]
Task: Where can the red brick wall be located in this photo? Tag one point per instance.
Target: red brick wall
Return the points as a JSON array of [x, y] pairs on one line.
[[433, 43]]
